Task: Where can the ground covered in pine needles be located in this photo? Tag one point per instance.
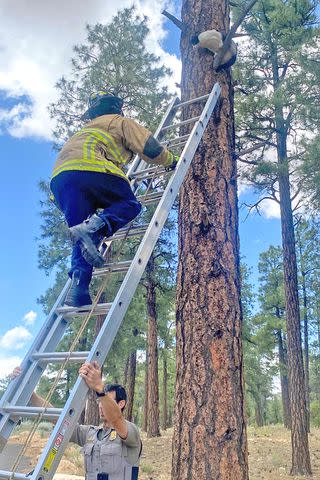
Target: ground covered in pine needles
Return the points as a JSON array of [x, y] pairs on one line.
[[269, 455]]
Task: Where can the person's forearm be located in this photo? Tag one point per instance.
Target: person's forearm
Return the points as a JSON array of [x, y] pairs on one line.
[[111, 410], [37, 401]]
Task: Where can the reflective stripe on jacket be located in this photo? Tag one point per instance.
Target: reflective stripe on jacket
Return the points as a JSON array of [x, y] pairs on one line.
[[107, 144]]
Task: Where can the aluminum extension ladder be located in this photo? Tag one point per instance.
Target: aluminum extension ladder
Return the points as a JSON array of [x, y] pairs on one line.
[[43, 351]]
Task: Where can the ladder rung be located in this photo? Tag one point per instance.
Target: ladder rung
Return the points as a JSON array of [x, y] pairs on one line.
[[16, 476], [189, 102], [116, 267], [150, 197], [100, 309], [171, 143], [21, 411], [147, 171], [185, 122], [182, 144], [56, 357], [129, 232]]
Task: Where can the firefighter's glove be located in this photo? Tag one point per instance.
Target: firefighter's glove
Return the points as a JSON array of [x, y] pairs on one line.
[[172, 166]]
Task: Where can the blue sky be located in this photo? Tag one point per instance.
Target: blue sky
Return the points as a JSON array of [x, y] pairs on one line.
[[27, 77]]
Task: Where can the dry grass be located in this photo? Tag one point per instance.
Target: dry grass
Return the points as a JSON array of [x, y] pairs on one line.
[[269, 455]]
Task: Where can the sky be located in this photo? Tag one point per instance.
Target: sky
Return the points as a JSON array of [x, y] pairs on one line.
[[36, 40]]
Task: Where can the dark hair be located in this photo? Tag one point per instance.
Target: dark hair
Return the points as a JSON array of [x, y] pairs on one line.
[[121, 394]]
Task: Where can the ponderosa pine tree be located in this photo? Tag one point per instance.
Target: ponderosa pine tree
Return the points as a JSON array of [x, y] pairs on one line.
[[209, 428], [271, 319], [278, 84], [307, 239], [114, 58]]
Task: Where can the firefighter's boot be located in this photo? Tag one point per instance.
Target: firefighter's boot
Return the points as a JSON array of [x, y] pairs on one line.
[[78, 294], [88, 234]]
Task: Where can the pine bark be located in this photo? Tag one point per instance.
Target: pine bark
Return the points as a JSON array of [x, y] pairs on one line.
[[165, 392], [259, 411], [131, 385], [305, 327], [146, 391], [306, 347], [284, 381], [126, 372], [301, 464], [153, 429], [209, 428]]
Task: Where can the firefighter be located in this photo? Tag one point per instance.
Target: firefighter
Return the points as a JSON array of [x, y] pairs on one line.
[[91, 188]]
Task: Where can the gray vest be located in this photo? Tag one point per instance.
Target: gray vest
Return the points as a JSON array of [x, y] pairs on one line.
[[106, 457]]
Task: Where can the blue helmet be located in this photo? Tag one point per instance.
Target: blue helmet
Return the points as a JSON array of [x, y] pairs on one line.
[[103, 103]]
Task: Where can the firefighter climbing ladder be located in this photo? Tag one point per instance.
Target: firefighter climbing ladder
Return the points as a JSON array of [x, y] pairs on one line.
[[43, 351]]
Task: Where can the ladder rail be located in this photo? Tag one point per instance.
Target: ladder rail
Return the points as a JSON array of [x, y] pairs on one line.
[[30, 377], [71, 412], [28, 366], [36, 344], [138, 163], [42, 349]]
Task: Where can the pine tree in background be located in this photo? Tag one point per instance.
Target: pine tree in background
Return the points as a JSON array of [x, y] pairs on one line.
[[115, 59], [308, 254], [310, 167], [278, 85], [270, 321]]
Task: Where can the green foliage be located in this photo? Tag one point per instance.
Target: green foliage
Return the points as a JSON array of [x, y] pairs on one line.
[[4, 382], [277, 77], [54, 245], [115, 59], [315, 413], [261, 333], [310, 171]]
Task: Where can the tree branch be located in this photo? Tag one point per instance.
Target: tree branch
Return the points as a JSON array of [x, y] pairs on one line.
[[174, 20], [247, 162], [256, 205], [251, 149], [231, 34]]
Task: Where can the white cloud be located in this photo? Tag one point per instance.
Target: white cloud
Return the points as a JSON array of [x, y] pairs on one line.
[[243, 188], [15, 338], [36, 41], [30, 318], [270, 209], [8, 364]]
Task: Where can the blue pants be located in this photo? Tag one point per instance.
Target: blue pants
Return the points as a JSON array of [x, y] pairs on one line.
[[79, 194]]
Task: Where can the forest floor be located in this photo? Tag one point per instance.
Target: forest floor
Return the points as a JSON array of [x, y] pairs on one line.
[[269, 455]]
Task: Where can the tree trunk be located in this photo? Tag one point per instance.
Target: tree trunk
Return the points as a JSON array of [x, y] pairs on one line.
[[131, 384], [146, 390], [165, 392], [283, 367], [92, 416], [126, 372], [258, 410], [153, 429], [305, 325], [306, 347], [209, 428], [301, 464]]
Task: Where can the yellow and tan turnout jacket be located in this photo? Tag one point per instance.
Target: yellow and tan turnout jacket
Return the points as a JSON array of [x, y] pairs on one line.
[[107, 144]]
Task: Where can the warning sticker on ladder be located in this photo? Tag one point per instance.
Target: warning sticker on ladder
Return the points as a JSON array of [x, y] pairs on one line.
[[53, 452], [49, 460]]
